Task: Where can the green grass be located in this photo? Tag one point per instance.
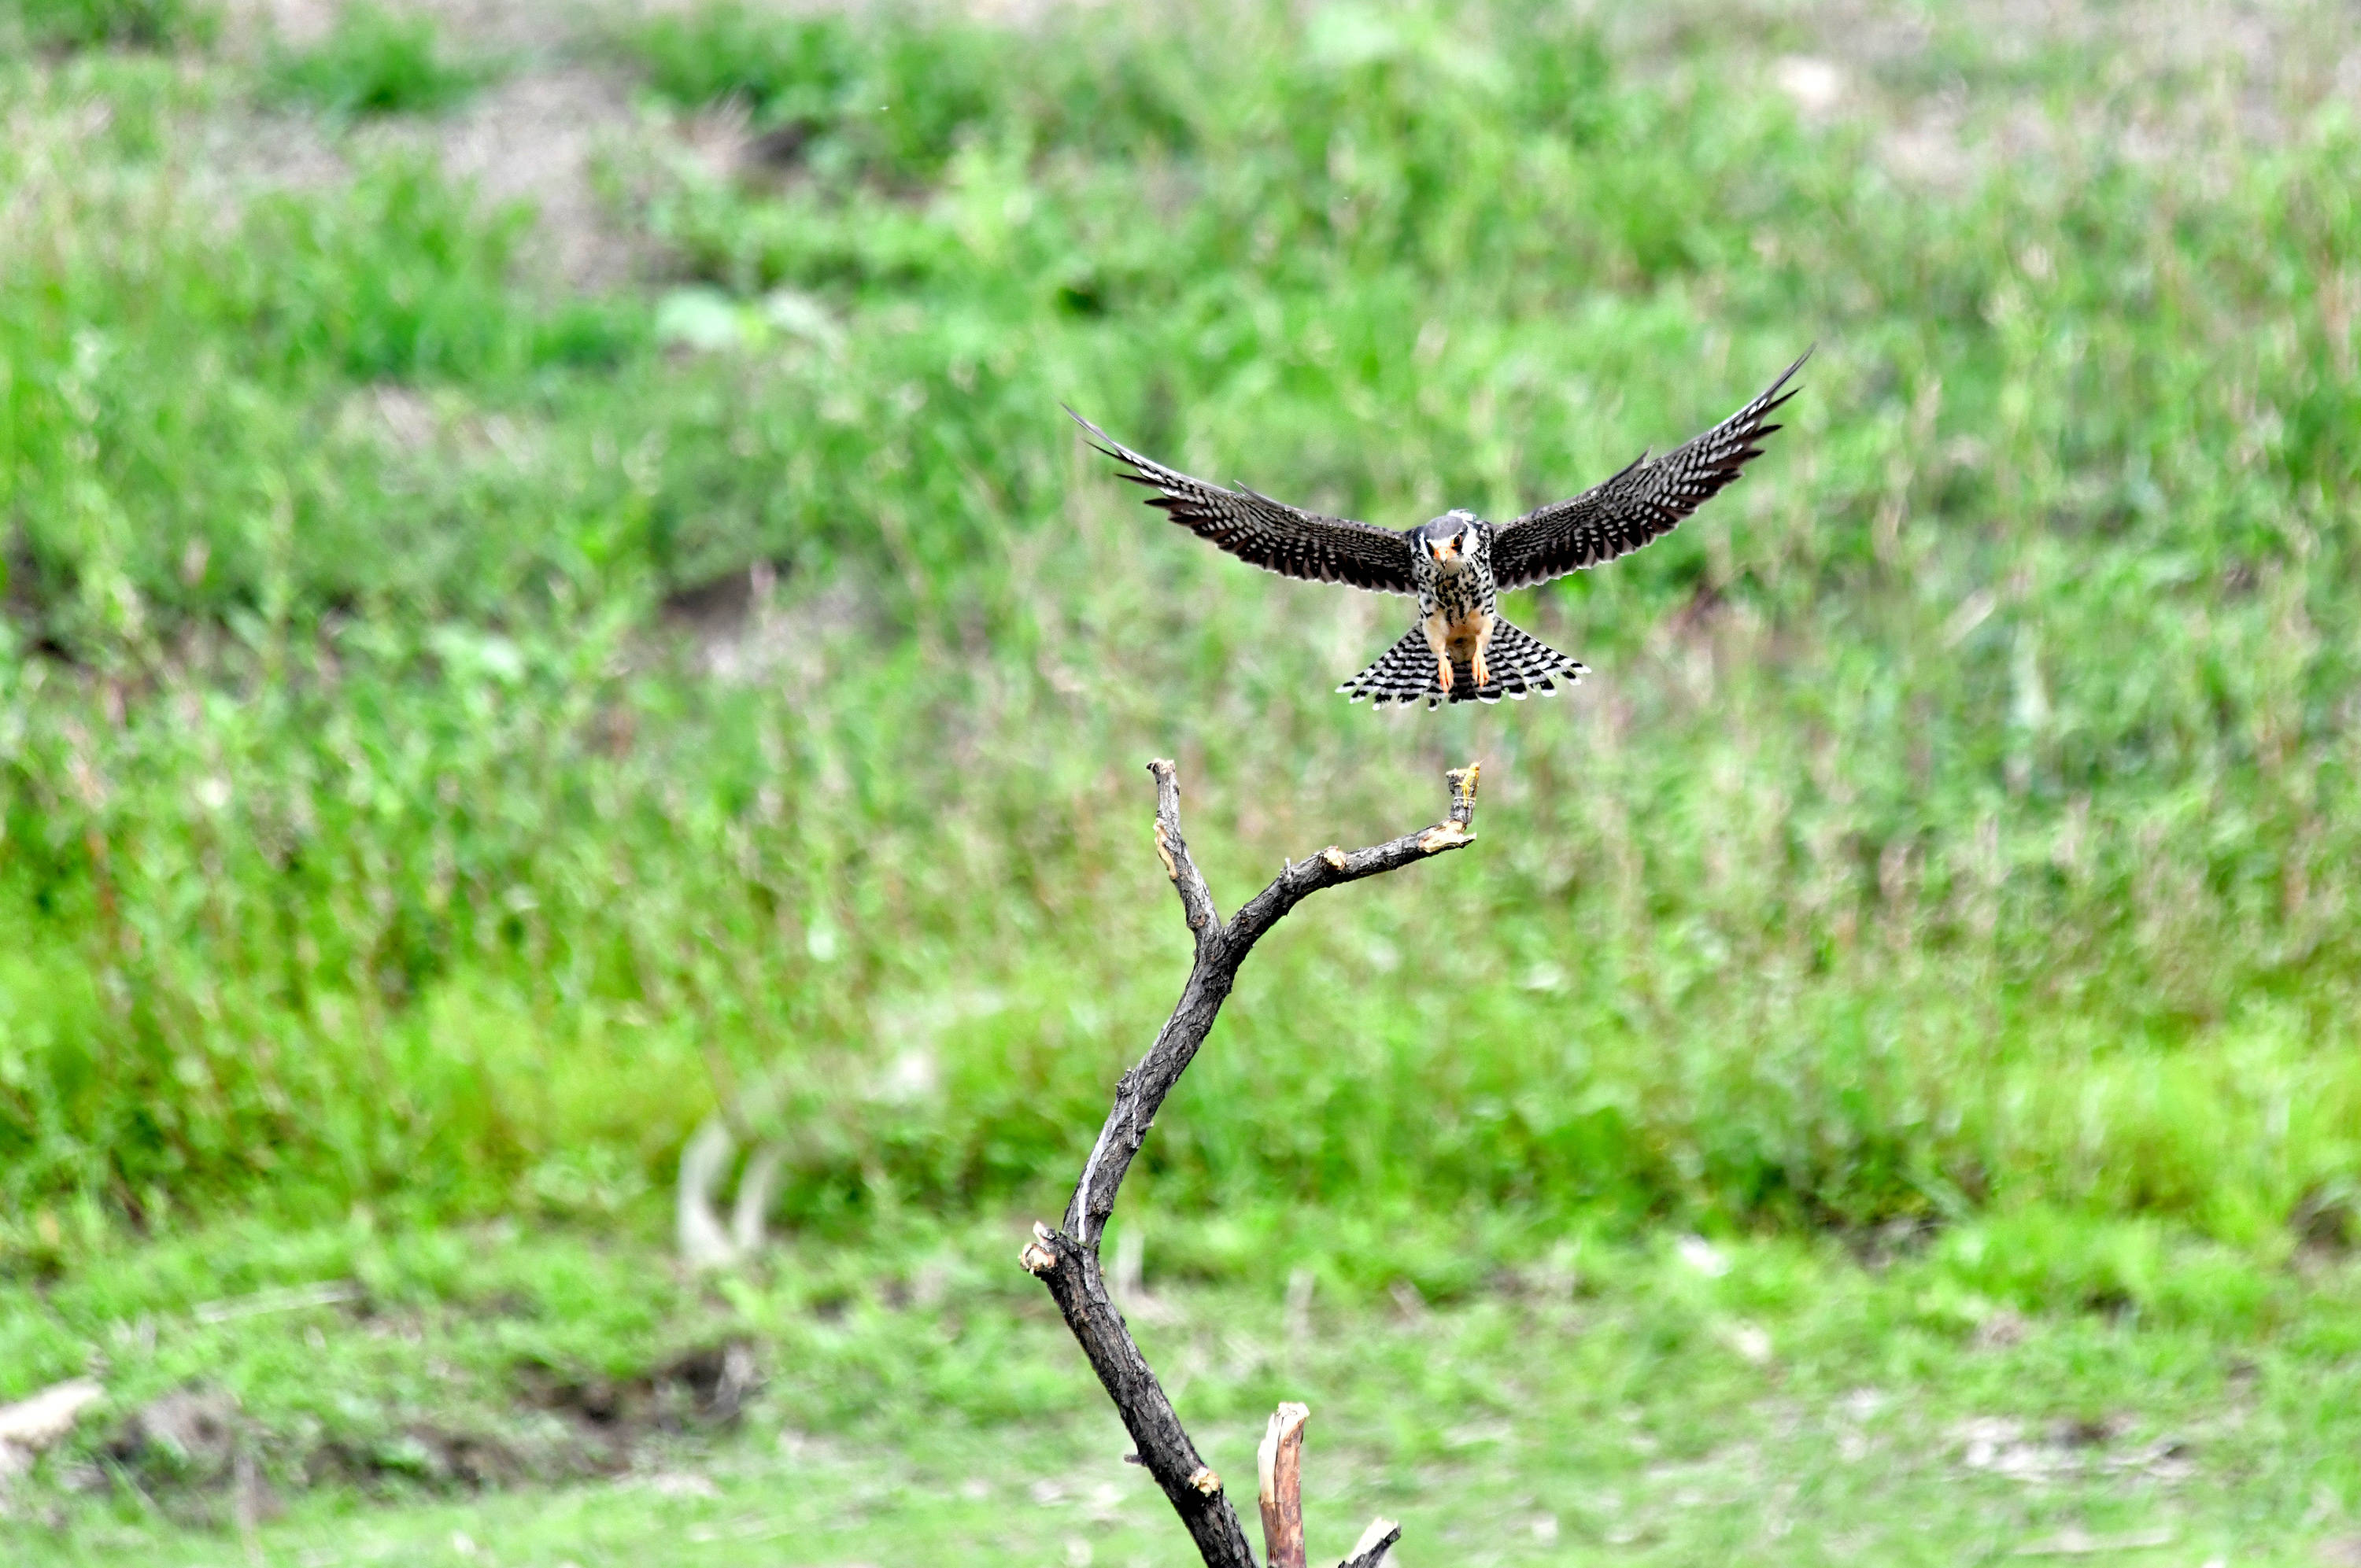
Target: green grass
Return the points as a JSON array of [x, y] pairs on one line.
[[376, 61], [1960, 825], [1582, 1400], [131, 24], [1962, 811], [885, 97]]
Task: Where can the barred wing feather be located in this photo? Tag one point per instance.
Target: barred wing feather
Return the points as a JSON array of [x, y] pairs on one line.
[[1638, 506], [1271, 534]]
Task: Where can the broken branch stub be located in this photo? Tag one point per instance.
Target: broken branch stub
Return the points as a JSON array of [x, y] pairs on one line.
[[1278, 1467], [1067, 1259], [1374, 1542]]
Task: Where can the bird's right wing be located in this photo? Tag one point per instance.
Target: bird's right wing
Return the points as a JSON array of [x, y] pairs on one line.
[[1271, 534]]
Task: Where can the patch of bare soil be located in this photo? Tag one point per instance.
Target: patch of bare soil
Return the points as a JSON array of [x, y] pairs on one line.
[[703, 1387], [739, 629], [440, 1458], [537, 137], [2020, 1451], [192, 1454], [2173, 79], [534, 27], [195, 1454], [536, 134]]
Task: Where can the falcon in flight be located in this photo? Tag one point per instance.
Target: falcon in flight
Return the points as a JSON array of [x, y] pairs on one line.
[[1457, 565]]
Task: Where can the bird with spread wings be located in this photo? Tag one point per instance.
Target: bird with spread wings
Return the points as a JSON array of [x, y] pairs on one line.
[[1456, 565]]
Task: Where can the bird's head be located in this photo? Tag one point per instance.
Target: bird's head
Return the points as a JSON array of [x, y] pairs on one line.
[[1450, 539]]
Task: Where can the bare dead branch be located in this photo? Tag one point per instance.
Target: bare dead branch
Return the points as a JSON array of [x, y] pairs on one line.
[[1067, 1259], [1221, 951], [1196, 898]]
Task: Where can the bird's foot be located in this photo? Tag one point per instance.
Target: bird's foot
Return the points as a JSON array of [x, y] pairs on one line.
[[1482, 672], [1443, 671]]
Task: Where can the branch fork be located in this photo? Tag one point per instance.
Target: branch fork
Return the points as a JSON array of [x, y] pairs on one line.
[[1067, 1259]]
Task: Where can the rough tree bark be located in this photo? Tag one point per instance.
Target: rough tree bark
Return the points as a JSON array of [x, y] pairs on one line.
[[1067, 1259]]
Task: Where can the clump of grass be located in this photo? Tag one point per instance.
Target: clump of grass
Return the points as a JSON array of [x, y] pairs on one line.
[[888, 98], [122, 24], [376, 61], [213, 352]]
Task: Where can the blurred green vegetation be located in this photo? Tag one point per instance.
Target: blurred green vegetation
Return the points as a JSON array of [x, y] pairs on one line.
[[1961, 813], [376, 61], [131, 24]]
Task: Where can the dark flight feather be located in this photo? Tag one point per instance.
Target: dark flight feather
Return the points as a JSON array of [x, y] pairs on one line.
[[1271, 534], [1641, 504]]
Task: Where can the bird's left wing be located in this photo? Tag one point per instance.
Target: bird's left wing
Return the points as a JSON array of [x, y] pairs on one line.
[[1273, 535], [1638, 506]]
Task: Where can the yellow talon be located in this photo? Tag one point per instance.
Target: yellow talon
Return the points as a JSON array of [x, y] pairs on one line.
[[1483, 672], [1443, 671]]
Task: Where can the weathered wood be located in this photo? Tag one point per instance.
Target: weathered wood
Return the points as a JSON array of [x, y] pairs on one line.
[[1278, 1471], [1374, 1542], [1067, 1259]]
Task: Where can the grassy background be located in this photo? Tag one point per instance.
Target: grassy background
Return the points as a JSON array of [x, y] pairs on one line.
[[464, 717], [1961, 816]]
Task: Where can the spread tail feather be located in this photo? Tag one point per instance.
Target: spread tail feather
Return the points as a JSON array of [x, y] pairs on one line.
[[1518, 664]]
